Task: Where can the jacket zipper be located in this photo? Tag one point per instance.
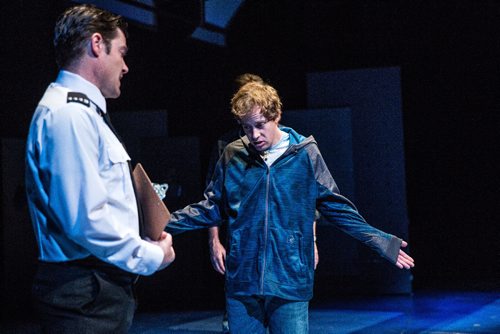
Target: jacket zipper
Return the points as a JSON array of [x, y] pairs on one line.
[[266, 217]]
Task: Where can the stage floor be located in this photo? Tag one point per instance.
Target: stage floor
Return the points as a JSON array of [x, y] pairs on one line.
[[425, 312]]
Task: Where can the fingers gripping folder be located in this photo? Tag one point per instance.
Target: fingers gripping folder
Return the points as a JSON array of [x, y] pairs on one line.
[[155, 212]]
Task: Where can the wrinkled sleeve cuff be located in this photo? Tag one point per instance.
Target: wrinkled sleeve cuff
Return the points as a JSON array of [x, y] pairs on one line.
[[152, 259], [393, 247]]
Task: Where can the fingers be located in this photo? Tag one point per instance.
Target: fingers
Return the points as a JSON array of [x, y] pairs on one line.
[[171, 255], [168, 237], [316, 256], [168, 251], [222, 263], [404, 261], [218, 258], [221, 266], [217, 264], [170, 247]]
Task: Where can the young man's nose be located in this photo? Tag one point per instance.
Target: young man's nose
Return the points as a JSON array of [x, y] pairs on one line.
[[255, 133]]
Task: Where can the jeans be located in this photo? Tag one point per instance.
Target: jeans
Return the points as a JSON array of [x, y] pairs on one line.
[[256, 314]]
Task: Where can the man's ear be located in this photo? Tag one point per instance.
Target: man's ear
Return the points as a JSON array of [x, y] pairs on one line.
[[97, 45]]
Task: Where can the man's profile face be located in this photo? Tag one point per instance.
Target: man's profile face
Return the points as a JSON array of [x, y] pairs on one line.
[[261, 132], [113, 67]]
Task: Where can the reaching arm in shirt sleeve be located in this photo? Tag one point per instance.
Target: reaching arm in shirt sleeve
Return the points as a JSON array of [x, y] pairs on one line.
[[339, 211], [90, 191]]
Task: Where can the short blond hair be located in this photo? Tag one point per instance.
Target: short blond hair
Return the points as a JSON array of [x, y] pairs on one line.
[[256, 94]]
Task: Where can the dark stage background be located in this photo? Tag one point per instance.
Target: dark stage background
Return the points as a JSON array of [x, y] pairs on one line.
[[447, 54]]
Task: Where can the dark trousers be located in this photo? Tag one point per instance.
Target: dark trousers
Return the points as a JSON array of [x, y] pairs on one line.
[[86, 296]]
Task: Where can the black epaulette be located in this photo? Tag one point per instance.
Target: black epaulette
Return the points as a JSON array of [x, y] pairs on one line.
[[78, 98]]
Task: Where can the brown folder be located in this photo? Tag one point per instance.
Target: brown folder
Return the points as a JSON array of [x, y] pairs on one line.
[[155, 212]]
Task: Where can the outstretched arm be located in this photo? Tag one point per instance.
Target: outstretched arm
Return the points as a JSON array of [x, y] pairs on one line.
[[217, 251], [339, 211]]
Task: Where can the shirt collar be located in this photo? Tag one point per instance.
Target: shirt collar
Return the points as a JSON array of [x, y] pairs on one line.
[[78, 84]]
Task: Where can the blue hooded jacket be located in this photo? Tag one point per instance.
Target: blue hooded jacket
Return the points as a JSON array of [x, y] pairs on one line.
[[270, 211]]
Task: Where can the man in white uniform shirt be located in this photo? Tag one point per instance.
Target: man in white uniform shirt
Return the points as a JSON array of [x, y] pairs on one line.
[[79, 187]]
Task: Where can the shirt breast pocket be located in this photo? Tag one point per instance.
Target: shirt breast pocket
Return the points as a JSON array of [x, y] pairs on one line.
[[117, 170], [117, 155]]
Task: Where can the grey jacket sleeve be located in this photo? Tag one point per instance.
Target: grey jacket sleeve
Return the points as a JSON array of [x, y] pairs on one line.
[[340, 212]]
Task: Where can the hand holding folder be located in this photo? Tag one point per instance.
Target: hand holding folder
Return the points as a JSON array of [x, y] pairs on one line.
[[155, 212]]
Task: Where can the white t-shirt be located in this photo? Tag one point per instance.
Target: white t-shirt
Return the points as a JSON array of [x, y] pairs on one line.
[[274, 152]]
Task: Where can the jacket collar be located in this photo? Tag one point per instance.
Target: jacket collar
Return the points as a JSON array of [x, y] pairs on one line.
[[297, 141]]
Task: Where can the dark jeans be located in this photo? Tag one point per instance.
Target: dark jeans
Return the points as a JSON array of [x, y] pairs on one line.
[[83, 297], [260, 315]]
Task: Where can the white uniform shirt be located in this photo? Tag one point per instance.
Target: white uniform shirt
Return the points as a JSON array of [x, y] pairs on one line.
[[78, 183]]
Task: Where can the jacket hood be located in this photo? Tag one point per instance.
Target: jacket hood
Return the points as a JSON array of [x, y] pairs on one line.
[[297, 141]]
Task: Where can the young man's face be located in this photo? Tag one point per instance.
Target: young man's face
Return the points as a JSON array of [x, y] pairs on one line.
[[113, 66], [262, 133]]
